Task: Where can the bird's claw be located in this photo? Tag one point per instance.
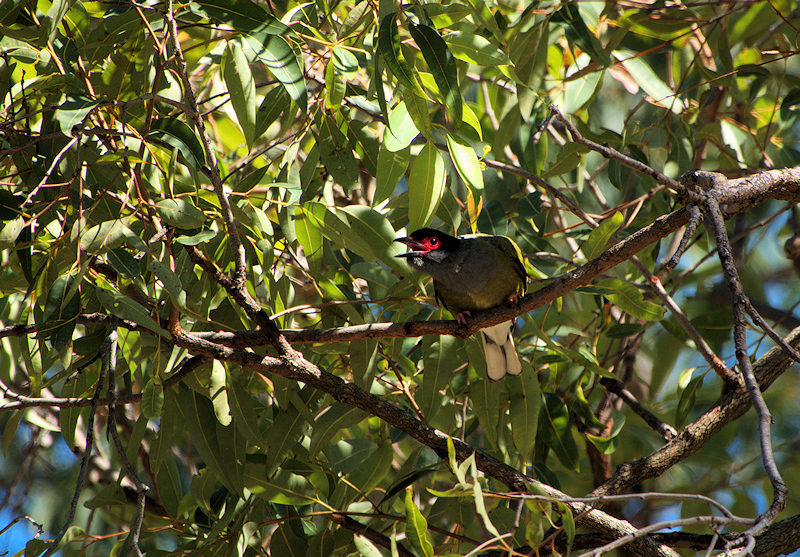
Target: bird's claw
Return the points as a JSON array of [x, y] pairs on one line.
[[462, 317]]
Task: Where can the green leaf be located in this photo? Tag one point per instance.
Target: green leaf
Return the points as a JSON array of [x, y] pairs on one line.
[[105, 236], [335, 86], [9, 11], [438, 356], [77, 387], [580, 33], [283, 435], [170, 490], [61, 310], [400, 130], [180, 213], [526, 401], [241, 88], [336, 153], [10, 232], [171, 281], [286, 543], [425, 186], [417, 527], [404, 481], [391, 168], [466, 162], [473, 48], [177, 134], [568, 522], [125, 308], [375, 467], [275, 102], [630, 300], [650, 83], [10, 429], [443, 67], [374, 236], [530, 205], [285, 63], [417, 107], [199, 238], [321, 545], [485, 396], [337, 417], [623, 330], [581, 357], [557, 431], [365, 547], [124, 263], [72, 111], [607, 444], [309, 233], [687, 400], [242, 15], [202, 426], [241, 405], [51, 21], [217, 392], [152, 399], [390, 49], [169, 419], [568, 159], [477, 492], [599, 238]]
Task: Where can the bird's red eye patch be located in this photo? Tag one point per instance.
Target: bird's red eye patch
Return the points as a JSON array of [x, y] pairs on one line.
[[433, 242]]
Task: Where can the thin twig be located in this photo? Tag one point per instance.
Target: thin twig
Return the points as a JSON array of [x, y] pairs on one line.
[[610, 153], [666, 431], [110, 361], [691, 228], [739, 335], [87, 456]]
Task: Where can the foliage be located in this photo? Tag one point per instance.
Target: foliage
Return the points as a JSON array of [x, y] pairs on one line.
[[164, 165]]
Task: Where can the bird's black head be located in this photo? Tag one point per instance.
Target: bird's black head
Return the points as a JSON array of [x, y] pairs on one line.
[[427, 241]]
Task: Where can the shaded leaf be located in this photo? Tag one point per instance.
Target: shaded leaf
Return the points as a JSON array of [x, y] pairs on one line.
[[180, 213], [152, 399], [125, 308], [177, 134], [557, 431], [438, 355], [443, 67]]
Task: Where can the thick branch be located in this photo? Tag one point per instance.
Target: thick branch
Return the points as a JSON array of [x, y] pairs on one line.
[[348, 393], [733, 402]]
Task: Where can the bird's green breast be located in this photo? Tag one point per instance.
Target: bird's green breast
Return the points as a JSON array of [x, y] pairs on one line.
[[479, 275]]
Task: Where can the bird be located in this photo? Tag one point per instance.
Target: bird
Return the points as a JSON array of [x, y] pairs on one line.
[[472, 273]]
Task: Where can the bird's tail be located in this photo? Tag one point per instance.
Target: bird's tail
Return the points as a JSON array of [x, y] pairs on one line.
[[501, 354]]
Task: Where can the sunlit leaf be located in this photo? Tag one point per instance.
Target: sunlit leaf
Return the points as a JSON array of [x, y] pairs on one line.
[[425, 186], [241, 88]]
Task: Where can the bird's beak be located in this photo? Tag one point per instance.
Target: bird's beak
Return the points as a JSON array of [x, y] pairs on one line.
[[416, 247]]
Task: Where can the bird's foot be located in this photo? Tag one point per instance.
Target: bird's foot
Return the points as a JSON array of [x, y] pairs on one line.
[[462, 317], [514, 299]]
